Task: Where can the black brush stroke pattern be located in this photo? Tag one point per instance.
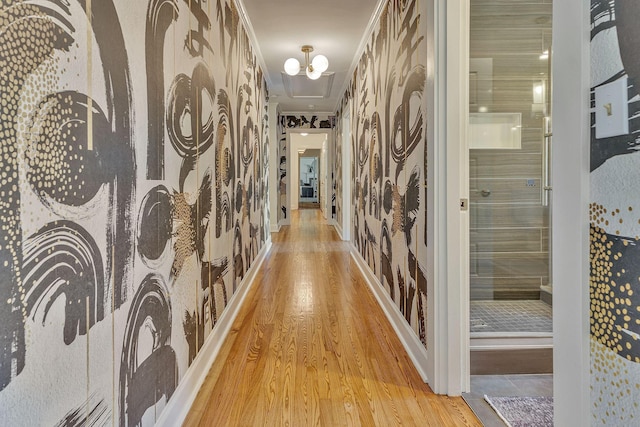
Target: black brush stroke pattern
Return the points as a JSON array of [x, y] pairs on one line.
[[388, 126], [185, 99], [620, 15], [615, 320], [76, 225], [212, 277], [386, 271], [90, 413], [62, 259], [238, 262], [59, 128], [112, 164], [19, 64], [155, 225], [160, 15], [118, 92], [144, 381]]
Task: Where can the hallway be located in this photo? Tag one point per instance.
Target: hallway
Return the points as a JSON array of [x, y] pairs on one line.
[[311, 346]]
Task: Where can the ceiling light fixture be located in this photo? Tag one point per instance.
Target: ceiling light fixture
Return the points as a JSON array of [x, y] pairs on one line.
[[313, 69]]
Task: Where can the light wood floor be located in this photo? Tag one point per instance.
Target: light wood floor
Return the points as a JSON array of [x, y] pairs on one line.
[[311, 347]]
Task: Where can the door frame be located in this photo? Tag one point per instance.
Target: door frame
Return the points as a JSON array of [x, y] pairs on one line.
[[448, 82], [274, 167], [570, 199], [344, 225], [329, 143]]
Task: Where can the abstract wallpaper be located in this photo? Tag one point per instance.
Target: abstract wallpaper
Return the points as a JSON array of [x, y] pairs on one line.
[[615, 223], [389, 156], [132, 199]]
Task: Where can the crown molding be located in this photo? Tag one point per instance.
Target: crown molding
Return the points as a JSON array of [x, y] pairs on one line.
[[246, 22]]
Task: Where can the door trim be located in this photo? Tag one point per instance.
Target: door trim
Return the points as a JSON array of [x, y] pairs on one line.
[[570, 201], [292, 152], [274, 166], [345, 226], [449, 341]]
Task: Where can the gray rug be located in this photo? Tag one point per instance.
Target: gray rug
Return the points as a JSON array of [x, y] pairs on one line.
[[523, 411]]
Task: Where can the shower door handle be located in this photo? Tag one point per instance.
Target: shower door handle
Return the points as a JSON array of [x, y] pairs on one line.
[[546, 161]]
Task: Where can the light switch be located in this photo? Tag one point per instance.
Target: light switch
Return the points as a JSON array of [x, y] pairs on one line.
[[612, 109]]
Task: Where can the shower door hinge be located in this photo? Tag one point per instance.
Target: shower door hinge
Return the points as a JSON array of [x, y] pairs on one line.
[[464, 204]]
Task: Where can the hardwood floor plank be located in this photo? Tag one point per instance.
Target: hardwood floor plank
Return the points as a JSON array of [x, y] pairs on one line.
[[311, 347]]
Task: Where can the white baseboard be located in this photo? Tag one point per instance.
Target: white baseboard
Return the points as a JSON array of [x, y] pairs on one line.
[[180, 403], [410, 341], [275, 228], [338, 229]]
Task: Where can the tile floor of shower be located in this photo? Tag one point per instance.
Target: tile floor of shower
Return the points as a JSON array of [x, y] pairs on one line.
[[510, 316], [507, 316]]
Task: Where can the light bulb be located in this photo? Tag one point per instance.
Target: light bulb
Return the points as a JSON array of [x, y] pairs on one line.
[[292, 66], [320, 63], [313, 75]]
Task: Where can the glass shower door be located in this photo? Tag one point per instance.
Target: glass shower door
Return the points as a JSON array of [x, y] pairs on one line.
[[510, 137]]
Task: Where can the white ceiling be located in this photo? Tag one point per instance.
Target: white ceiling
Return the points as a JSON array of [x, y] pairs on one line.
[[335, 28]]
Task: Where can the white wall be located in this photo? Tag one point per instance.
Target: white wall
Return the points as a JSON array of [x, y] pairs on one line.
[[570, 198], [324, 179], [294, 188]]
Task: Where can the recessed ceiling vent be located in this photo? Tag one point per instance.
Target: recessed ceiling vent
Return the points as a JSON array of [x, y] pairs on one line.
[[299, 86]]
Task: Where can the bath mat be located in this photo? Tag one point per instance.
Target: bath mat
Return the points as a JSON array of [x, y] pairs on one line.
[[523, 411]]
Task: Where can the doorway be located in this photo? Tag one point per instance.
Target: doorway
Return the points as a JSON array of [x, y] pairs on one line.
[[509, 137], [509, 184], [308, 179], [308, 173]]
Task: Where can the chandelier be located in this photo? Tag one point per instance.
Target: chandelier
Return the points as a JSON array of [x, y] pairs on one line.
[[313, 69]]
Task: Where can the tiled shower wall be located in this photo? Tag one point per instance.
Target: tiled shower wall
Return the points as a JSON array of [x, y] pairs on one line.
[[509, 229]]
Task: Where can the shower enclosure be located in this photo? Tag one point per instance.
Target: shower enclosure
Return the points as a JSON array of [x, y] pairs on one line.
[[509, 171]]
